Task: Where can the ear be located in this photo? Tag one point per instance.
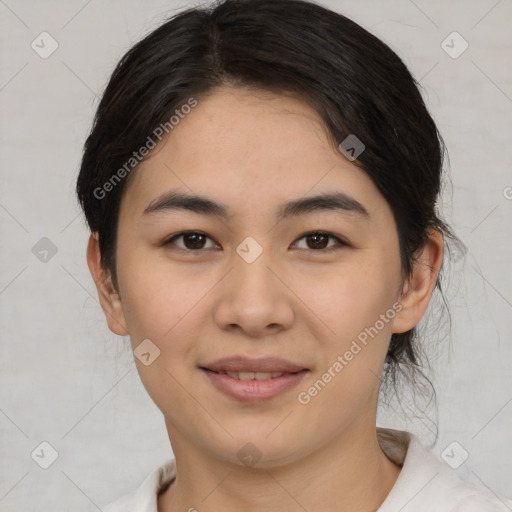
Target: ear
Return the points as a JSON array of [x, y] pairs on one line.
[[418, 289], [109, 298]]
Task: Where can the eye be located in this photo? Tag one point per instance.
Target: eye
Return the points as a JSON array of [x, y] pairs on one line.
[[319, 241], [195, 241], [191, 241]]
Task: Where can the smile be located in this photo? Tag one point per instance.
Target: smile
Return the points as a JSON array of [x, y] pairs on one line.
[[253, 375], [253, 387]]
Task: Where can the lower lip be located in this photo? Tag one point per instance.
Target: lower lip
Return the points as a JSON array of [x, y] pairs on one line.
[[254, 390]]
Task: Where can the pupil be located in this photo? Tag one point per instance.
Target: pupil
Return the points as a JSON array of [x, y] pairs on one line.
[[315, 241], [195, 239]]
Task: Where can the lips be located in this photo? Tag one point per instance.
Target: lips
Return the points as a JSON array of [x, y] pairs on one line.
[[240, 364], [253, 375], [253, 380]]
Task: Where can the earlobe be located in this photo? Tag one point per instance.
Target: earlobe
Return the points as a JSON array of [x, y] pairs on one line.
[[418, 289], [108, 296]]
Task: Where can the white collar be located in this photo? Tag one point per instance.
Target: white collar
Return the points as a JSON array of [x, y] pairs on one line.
[[424, 484]]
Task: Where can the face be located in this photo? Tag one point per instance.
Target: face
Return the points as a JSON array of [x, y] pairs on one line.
[[307, 293]]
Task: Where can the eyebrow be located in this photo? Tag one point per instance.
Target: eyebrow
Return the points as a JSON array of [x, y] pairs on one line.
[[336, 201]]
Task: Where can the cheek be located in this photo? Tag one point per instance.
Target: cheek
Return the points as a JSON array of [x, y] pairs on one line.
[[350, 303], [351, 297], [157, 295], [163, 304]]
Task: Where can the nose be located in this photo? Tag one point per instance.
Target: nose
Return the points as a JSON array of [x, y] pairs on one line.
[[254, 298]]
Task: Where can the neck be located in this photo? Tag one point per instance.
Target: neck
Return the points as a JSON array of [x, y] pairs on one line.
[[351, 472]]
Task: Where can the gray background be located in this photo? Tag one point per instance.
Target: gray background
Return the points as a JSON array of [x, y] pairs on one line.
[[66, 380]]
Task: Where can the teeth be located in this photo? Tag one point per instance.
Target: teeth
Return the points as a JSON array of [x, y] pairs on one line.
[[254, 375]]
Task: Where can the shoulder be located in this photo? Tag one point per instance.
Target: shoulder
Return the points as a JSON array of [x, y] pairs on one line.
[[144, 498], [479, 503], [427, 484]]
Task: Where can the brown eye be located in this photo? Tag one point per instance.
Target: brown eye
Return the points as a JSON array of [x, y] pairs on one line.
[[196, 241], [319, 241], [191, 240]]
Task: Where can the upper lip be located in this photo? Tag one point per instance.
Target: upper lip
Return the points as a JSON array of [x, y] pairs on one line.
[[247, 364]]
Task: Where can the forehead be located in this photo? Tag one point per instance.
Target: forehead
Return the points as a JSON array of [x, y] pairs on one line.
[[249, 149]]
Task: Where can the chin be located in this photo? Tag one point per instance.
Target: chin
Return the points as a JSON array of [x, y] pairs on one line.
[[257, 449]]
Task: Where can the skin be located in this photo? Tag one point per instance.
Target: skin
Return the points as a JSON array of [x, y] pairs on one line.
[[252, 151]]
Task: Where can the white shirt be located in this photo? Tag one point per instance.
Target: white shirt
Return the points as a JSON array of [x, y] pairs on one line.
[[425, 483]]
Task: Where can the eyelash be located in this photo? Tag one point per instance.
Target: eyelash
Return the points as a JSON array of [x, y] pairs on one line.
[[340, 242]]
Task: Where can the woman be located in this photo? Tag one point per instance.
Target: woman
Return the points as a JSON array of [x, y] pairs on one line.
[[261, 184]]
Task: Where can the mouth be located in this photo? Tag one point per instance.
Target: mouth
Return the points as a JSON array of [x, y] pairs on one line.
[[252, 375], [253, 380]]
